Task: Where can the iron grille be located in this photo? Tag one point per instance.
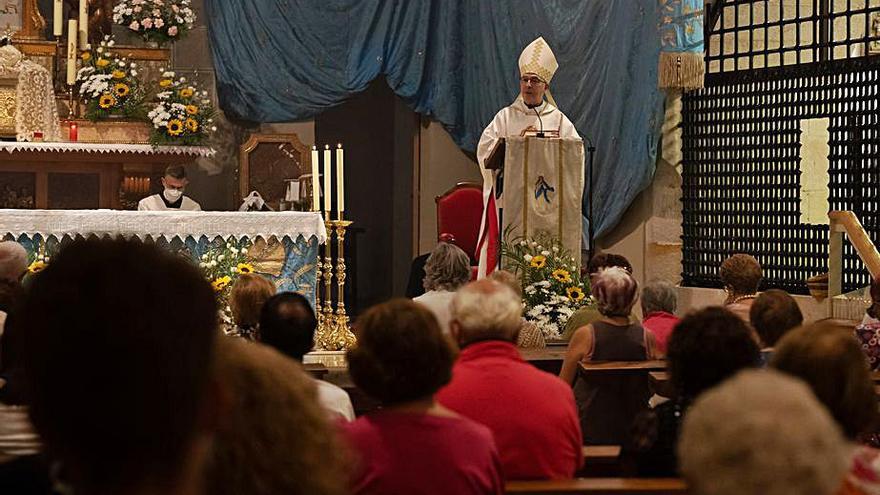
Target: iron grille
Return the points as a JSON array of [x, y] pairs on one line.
[[741, 176]]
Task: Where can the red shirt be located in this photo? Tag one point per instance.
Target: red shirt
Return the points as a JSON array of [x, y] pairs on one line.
[[420, 454], [531, 413], [661, 324]]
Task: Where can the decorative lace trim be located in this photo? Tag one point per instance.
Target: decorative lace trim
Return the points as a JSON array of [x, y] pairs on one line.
[[144, 149], [164, 224]]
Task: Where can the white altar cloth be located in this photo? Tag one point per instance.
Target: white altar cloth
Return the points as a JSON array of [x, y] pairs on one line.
[[165, 224], [144, 149]]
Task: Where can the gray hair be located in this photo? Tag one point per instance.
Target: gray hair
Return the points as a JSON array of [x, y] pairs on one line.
[[762, 432], [447, 268], [13, 260], [659, 296], [486, 310]]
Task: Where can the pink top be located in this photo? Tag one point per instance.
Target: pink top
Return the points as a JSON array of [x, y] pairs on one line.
[[660, 323], [421, 454], [531, 413]]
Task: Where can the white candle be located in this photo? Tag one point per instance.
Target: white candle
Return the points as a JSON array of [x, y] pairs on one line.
[[71, 51], [83, 24], [328, 185], [316, 191], [57, 21], [340, 181]]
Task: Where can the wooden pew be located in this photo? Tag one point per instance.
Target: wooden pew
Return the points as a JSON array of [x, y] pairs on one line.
[[600, 461], [600, 486], [602, 367]]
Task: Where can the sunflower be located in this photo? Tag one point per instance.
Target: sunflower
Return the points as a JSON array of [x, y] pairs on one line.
[[175, 127], [165, 83], [575, 293], [221, 283], [118, 74], [562, 275], [245, 268], [192, 125], [106, 101], [86, 56], [37, 266], [538, 261], [121, 89], [192, 109], [186, 92], [102, 62]]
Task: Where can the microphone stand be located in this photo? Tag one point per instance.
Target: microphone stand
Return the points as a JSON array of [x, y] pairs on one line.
[[591, 249]]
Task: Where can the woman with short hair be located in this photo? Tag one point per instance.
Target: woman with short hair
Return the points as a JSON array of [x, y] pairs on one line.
[[741, 276], [248, 295], [608, 406], [413, 444], [447, 269]]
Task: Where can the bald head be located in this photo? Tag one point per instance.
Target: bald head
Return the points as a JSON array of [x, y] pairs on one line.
[[485, 310], [13, 261]]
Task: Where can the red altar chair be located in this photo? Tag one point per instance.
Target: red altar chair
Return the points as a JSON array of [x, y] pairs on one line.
[[459, 211]]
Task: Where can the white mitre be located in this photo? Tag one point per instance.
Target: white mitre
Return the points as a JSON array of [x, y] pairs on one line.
[[538, 59]]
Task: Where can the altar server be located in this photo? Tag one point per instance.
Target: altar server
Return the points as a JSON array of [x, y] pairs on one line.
[[534, 113], [171, 198]]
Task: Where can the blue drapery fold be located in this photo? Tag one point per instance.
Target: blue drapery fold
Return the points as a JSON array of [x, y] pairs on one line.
[[455, 61]]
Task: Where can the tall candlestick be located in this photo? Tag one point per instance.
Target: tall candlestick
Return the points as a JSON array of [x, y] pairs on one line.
[[83, 24], [328, 185], [340, 181], [71, 52], [57, 21], [316, 190]]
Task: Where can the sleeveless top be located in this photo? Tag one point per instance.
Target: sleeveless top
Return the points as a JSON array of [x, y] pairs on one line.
[[608, 404]]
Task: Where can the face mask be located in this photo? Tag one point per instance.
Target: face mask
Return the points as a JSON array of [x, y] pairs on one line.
[[173, 194]]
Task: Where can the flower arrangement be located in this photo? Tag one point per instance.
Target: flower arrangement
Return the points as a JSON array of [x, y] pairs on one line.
[[551, 281], [38, 257], [157, 21], [108, 84], [182, 114], [222, 264]]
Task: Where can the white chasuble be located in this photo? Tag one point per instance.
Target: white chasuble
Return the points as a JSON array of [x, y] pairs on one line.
[[156, 203], [513, 121]]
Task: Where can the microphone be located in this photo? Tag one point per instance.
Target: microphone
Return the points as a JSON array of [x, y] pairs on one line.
[[540, 122]]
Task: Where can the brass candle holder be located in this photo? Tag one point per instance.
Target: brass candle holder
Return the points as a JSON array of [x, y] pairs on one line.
[[333, 333]]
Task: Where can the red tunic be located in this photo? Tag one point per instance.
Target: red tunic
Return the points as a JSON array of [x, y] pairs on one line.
[[420, 454], [531, 413], [660, 323]]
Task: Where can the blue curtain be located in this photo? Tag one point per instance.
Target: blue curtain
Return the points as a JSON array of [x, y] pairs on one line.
[[455, 61]]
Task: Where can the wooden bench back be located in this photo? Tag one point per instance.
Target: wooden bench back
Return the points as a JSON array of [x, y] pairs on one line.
[[600, 486]]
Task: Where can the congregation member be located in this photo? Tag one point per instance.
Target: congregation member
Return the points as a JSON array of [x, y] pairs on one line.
[[773, 314], [288, 324], [741, 276], [246, 300], [868, 331], [530, 336], [413, 444], [119, 358], [829, 359], [658, 312], [531, 413], [171, 198], [762, 433], [447, 269], [706, 348], [607, 406], [588, 314], [275, 438], [415, 283], [13, 266]]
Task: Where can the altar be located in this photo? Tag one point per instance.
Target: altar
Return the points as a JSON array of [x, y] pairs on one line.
[[281, 246]]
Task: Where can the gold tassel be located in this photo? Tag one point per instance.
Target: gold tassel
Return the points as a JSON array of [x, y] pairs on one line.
[[684, 70]]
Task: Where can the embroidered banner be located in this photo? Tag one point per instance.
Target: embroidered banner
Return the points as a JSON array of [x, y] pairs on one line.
[[681, 44]]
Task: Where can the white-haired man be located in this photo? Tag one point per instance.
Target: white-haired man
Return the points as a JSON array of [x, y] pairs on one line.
[[13, 261], [533, 113], [491, 384]]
